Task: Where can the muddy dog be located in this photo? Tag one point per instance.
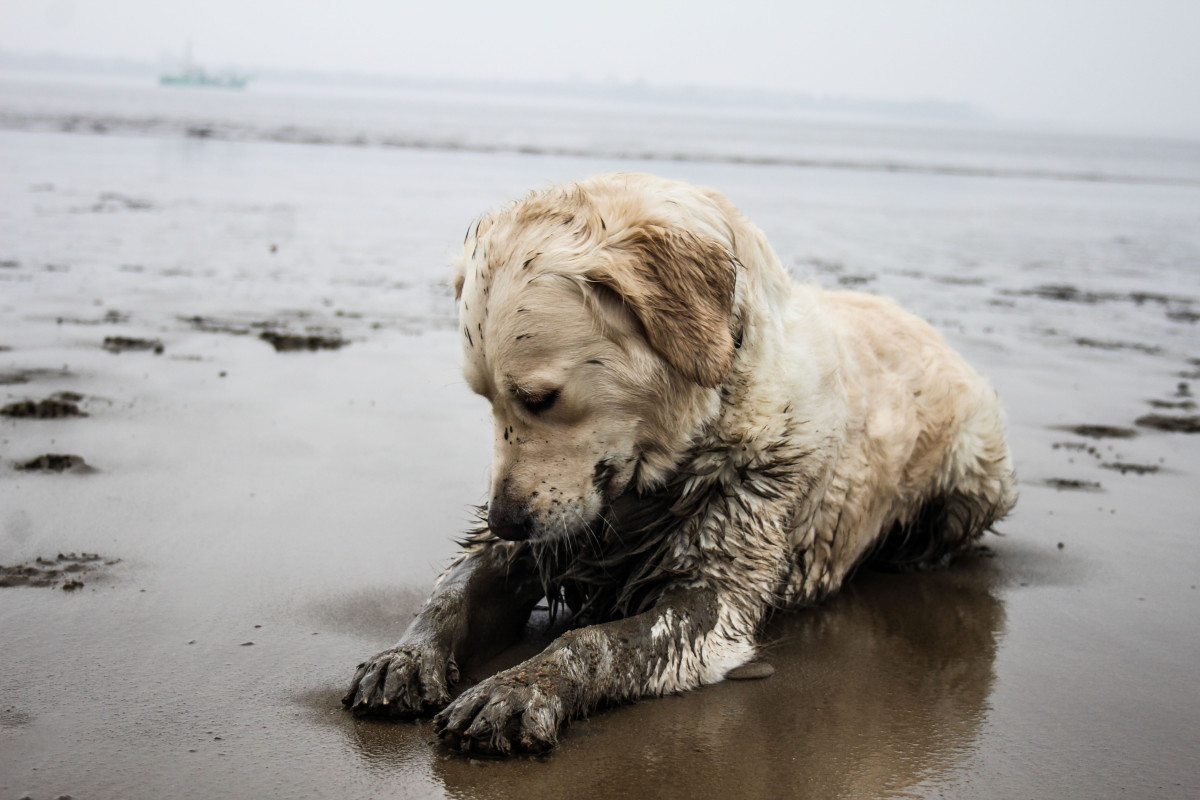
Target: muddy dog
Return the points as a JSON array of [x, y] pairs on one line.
[[685, 441]]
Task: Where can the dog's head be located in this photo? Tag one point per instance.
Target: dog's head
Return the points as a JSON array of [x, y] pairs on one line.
[[597, 319]]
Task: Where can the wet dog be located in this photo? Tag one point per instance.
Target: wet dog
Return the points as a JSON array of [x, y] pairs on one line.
[[685, 441]]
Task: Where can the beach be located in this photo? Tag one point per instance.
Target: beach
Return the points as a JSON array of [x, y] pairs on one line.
[[247, 343]]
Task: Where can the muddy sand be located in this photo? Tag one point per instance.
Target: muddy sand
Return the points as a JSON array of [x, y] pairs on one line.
[[253, 356]]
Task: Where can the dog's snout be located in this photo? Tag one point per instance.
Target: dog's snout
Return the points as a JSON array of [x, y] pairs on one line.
[[508, 521]]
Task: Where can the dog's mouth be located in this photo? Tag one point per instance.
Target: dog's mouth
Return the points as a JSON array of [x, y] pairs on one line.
[[559, 518]]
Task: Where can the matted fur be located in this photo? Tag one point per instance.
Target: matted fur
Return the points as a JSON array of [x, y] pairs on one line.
[[685, 440]]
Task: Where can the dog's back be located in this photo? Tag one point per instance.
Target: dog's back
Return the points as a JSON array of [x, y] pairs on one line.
[[924, 468]]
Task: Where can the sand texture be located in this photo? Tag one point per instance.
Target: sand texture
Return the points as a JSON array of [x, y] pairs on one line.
[[231, 402]]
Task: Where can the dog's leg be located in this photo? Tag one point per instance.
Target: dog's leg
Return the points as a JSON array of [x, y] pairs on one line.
[[689, 638], [479, 605]]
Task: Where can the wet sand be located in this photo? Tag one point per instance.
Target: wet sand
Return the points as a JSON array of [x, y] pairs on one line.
[[262, 517]]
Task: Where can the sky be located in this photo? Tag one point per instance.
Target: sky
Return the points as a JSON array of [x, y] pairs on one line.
[[1104, 65]]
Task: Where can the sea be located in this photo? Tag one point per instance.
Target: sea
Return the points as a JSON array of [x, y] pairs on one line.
[[595, 122], [373, 183]]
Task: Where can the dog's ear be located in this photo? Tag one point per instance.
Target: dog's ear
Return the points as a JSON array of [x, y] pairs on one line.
[[680, 287]]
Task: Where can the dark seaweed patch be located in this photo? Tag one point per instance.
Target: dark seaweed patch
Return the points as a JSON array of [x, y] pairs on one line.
[[958, 280], [1100, 431], [290, 342], [1062, 293], [27, 375], [1078, 447], [1163, 422], [1066, 293], [56, 462], [1149, 349], [111, 317], [66, 569], [1181, 405], [57, 407], [1073, 485], [1136, 469], [214, 325], [121, 344]]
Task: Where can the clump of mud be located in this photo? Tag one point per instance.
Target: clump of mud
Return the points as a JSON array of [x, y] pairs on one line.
[[1148, 349], [66, 571], [1077, 447], [58, 406], [1066, 293], [214, 325], [1136, 469], [111, 317], [1164, 422], [26, 375], [290, 342], [121, 344], [1073, 485], [1100, 431], [1182, 405], [57, 462]]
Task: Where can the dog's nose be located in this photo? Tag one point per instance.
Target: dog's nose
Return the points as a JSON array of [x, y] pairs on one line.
[[511, 524]]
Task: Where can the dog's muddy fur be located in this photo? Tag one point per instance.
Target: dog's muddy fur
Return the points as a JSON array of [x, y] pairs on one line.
[[685, 441]]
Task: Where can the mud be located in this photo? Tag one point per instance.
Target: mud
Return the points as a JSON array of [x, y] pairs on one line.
[[1136, 469], [292, 342], [1077, 447], [214, 325], [1171, 424], [57, 407], [1182, 405], [111, 317], [1067, 293], [1074, 485], [1101, 431], [1148, 349], [56, 462], [66, 571], [124, 344], [21, 376]]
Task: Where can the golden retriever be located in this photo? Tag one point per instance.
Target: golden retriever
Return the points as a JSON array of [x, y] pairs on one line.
[[685, 440]]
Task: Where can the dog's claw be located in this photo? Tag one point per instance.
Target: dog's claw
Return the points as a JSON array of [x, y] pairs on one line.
[[407, 680], [501, 716]]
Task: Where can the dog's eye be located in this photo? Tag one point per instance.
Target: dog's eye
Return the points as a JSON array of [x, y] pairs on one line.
[[537, 404]]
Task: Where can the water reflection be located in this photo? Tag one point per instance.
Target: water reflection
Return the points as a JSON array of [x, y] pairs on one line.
[[882, 688]]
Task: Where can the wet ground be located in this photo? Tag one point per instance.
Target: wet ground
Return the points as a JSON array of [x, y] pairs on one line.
[[254, 519]]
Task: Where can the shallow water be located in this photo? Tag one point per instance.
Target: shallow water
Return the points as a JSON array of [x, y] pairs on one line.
[[278, 516]]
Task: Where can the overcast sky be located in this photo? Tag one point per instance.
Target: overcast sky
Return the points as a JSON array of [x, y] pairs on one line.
[[1101, 64]]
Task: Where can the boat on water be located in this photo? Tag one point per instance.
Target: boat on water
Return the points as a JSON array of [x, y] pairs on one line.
[[192, 74], [195, 76]]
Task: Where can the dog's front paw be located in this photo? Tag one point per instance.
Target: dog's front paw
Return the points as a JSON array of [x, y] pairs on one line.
[[408, 680], [504, 714]]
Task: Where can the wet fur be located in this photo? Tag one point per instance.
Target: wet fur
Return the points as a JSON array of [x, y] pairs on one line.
[[685, 441]]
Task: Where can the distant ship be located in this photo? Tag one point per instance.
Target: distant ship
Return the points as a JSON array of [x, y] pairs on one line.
[[194, 75]]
